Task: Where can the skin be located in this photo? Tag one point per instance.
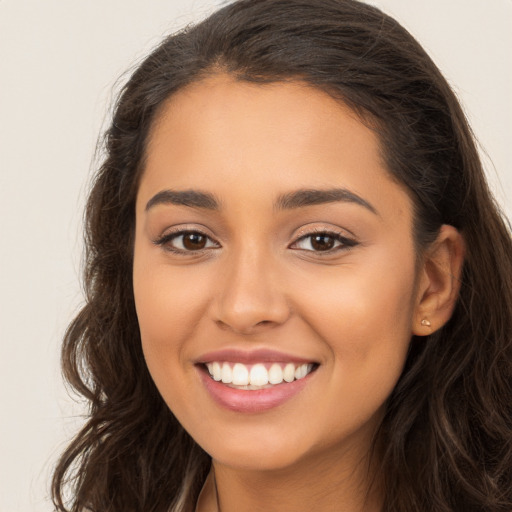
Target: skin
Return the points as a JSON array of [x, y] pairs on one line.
[[260, 283]]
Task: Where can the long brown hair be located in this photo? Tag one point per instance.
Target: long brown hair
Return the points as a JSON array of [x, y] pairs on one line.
[[447, 432]]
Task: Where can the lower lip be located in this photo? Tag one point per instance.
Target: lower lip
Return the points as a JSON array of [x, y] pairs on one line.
[[252, 401]]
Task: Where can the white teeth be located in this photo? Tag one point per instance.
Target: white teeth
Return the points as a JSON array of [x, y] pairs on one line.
[[275, 374], [240, 375], [259, 375], [289, 372], [226, 374], [216, 371], [302, 371]]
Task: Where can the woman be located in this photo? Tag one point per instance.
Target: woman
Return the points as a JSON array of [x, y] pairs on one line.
[[299, 288]]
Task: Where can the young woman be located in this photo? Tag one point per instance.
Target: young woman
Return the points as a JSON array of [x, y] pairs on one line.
[[299, 288]]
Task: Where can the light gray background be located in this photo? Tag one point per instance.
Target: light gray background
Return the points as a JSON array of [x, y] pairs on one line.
[[59, 60]]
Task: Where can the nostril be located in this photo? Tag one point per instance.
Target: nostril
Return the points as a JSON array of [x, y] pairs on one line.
[[223, 325], [244, 328]]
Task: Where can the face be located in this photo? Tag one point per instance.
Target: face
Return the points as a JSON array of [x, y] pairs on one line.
[[274, 272]]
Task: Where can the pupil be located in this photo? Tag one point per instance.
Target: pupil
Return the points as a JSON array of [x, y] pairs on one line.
[[194, 241], [322, 242]]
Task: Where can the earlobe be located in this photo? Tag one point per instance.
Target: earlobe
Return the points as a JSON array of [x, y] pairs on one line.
[[439, 283]]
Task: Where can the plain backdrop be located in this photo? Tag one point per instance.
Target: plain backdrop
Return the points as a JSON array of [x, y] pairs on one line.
[[59, 62]]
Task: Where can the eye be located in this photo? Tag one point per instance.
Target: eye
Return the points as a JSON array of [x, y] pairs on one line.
[[323, 242], [186, 241]]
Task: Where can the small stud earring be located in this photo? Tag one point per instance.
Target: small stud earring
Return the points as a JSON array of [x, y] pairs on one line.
[[426, 322]]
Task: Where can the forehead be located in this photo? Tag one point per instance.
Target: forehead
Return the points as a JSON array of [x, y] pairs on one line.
[[294, 114], [222, 134]]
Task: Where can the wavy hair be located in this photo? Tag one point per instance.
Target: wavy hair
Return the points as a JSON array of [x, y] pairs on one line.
[[447, 432]]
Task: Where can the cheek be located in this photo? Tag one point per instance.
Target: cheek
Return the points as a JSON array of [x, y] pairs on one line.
[[363, 315], [359, 305], [366, 329], [170, 303], [168, 299]]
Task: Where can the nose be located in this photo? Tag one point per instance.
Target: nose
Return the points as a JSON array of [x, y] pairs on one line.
[[250, 297]]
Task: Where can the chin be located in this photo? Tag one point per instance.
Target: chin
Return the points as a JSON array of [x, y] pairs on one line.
[[258, 452], [261, 460]]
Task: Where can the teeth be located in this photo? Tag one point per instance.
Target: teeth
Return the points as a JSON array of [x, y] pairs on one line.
[[289, 372], [216, 371], [257, 376], [301, 371], [275, 374], [240, 375], [226, 374]]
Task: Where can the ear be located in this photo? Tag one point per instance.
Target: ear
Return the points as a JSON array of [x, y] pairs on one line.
[[439, 281]]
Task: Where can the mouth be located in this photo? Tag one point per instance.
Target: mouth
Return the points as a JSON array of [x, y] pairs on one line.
[[254, 381], [261, 375]]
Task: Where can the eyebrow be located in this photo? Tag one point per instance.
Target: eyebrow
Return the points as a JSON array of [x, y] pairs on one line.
[[311, 197], [191, 198], [288, 201]]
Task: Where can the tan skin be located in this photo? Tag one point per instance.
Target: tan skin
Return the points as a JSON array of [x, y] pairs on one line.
[[336, 283]]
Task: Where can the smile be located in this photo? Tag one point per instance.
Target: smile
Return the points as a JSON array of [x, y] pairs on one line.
[[254, 381], [259, 375], [254, 386]]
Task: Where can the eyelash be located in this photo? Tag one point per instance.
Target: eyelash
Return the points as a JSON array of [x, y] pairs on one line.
[[344, 242], [165, 241]]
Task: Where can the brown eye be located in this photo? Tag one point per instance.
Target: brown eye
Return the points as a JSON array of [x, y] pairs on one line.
[[183, 242], [322, 242], [194, 241]]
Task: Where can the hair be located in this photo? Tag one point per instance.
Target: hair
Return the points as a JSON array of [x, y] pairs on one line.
[[447, 431]]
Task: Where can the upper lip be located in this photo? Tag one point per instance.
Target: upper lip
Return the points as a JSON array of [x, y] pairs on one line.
[[251, 356]]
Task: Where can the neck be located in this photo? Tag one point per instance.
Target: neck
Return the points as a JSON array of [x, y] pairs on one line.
[[325, 484]]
